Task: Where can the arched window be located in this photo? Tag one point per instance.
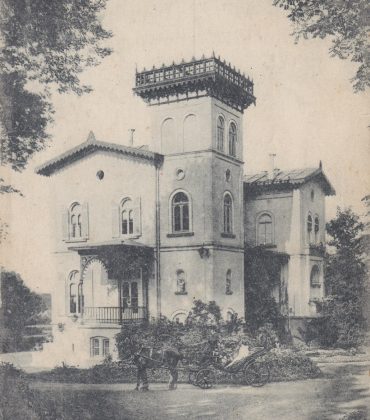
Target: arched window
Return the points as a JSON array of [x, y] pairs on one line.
[[127, 220], [220, 133], [232, 139], [73, 292], [180, 282], [180, 212], [309, 228], [264, 230], [228, 213], [75, 221], [228, 290], [315, 276], [317, 228]]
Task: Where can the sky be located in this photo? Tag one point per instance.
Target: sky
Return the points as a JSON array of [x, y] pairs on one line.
[[305, 112]]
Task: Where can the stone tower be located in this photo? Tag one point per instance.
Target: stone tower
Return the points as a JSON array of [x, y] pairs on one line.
[[197, 110]]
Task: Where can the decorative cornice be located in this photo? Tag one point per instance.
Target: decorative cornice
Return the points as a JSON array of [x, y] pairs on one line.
[[90, 146], [193, 79]]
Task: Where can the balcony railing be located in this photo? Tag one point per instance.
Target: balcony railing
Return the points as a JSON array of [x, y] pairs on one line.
[[114, 315]]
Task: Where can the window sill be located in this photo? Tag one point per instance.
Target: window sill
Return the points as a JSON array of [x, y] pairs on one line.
[[130, 236], [228, 235], [179, 234], [316, 285], [229, 293], [71, 241], [181, 293]]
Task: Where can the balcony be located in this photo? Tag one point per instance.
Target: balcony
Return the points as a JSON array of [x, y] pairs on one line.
[[114, 315]]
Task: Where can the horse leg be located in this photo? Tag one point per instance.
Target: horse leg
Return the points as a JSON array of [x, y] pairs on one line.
[[174, 375]]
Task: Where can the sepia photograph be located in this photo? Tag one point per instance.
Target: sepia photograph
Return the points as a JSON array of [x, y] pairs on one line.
[[184, 209]]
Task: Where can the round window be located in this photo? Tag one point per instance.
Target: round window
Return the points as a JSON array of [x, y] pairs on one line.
[[100, 175], [180, 174]]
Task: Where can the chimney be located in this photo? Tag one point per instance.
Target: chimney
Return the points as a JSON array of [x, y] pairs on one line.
[[271, 172], [132, 131]]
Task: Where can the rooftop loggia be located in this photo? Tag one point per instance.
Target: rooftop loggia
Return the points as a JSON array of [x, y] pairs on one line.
[[196, 78]]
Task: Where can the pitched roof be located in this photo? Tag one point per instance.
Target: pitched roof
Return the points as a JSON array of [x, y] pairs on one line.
[[288, 179], [90, 146]]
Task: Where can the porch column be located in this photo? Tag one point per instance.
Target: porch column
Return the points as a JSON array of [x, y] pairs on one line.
[[119, 282]]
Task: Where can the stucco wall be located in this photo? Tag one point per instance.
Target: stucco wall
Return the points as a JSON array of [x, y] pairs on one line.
[[279, 206], [123, 177]]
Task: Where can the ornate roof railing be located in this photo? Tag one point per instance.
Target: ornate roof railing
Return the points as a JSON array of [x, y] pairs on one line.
[[210, 75]]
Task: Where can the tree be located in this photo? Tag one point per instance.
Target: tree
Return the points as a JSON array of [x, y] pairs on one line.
[[21, 308], [44, 45], [262, 275], [346, 22], [345, 279]]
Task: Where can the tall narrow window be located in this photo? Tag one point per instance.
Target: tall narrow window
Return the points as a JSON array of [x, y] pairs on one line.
[[75, 221], [264, 230], [95, 347], [73, 292], [180, 212], [127, 219], [75, 226], [317, 229], [72, 298], [105, 346], [232, 140], [220, 133], [315, 276], [228, 214], [309, 228]]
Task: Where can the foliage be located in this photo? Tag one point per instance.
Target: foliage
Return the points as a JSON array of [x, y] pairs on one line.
[[342, 322], [21, 307], [204, 314], [262, 275], [45, 44], [14, 394], [346, 22], [284, 364]]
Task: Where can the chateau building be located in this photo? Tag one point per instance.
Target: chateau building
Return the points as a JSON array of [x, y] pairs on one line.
[[142, 233]]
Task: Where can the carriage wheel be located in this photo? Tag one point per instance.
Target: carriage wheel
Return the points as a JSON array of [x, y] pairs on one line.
[[205, 378], [256, 374]]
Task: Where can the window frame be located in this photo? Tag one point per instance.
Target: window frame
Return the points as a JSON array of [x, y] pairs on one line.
[[228, 214], [316, 228], [258, 227], [75, 221], [233, 139], [73, 280], [315, 274], [126, 207], [98, 346], [172, 216], [220, 134], [309, 228]]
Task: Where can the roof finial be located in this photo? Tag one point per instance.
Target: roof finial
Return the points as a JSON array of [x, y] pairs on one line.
[[91, 137], [320, 164]]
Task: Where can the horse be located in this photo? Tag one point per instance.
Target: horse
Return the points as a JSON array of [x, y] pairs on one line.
[[151, 357]]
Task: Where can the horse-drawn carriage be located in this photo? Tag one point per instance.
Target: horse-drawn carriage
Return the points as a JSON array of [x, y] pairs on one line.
[[248, 370]]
